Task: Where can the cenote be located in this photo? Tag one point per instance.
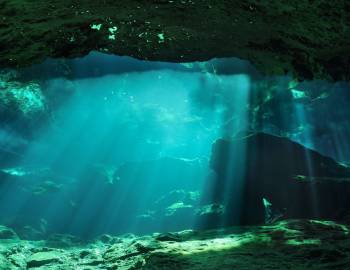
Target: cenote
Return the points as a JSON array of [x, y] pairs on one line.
[[109, 162]]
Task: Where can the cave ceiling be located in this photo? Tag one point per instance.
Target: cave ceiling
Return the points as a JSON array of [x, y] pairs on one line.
[[309, 39]]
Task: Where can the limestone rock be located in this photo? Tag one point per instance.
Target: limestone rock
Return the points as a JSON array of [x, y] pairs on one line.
[[22, 105], [4, 264], [290, 244], [44, 258], [309, 39]]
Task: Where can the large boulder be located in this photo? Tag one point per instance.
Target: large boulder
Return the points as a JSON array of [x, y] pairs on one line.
[[259, 174], [40, 259]]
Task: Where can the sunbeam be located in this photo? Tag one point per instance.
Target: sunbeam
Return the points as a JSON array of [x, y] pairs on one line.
[[119, 145]]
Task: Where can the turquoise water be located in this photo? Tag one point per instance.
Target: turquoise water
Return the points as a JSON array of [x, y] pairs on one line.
[[108, 144]]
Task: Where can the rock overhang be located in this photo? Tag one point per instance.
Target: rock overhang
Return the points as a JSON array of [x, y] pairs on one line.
[[308, 39]]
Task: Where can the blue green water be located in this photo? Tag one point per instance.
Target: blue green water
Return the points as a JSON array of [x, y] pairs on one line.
[[108, 144]]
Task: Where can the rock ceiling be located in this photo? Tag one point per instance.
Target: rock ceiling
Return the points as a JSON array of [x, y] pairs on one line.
[[307, 38]]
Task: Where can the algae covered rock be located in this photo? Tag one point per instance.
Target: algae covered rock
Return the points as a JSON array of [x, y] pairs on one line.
[[290, 244], [22, 104], [127, 255], [4, 264], [44, 258], [307, 38], [25, 98]]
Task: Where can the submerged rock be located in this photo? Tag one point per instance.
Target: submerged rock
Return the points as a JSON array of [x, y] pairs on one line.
[[44, 258], [4, 264], [26, 99], [22, 104], [7, 233], [296, 181], [292, 244], [30, 233], [173, 237]]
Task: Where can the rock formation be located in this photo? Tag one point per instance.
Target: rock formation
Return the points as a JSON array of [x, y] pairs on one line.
[[294, 244], [297, 181], [308, 39]]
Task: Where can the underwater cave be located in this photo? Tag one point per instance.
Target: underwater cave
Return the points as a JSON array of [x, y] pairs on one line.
[[135, 136]]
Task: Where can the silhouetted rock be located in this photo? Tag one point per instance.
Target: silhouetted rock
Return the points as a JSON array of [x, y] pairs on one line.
[[296, 181]]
